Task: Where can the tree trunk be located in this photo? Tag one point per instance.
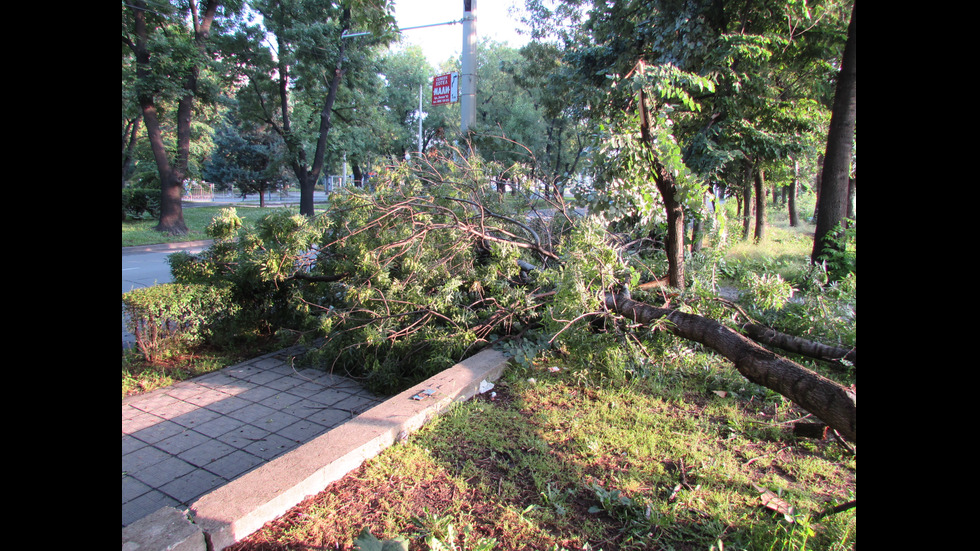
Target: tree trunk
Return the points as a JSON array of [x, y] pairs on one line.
[[128, 145], [760, 205], [358, 175], [837, 161], [697, 235], [171, 175], [667, 187], [797, 345], [747, 203], [307, 178], [794, 217], [831, 402], [816, 187], [171, 208], [171, 220]]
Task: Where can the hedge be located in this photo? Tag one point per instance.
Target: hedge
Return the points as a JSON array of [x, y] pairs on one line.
[[166, 316]]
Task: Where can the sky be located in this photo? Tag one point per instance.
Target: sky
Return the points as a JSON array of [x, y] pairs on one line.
[[439, 43]]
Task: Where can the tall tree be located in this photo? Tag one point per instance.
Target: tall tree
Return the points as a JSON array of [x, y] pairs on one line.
[[545, 76], [767, 60], [406, 70], [246, 157], [170, 45], [311, 61], [835, 177]]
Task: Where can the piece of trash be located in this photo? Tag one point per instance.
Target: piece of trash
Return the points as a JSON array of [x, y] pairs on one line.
[[776, 503], [485, 386], [424, 394], [721, 393], [532, 380], [493, 395], [554, 369]]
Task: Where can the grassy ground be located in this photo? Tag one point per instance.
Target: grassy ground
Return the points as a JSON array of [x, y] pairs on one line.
[[682, 459], [197, 218], [690, 455]]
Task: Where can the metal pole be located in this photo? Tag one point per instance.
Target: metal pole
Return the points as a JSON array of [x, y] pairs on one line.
[[420, 119], [467, 83]]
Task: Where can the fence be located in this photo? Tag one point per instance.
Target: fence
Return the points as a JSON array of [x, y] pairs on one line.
[[204, 191], [199, 192]]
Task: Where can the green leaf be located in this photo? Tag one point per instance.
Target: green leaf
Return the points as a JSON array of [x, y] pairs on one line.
[[367, 542]]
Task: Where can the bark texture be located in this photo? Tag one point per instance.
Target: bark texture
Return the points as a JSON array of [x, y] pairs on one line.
[[804, 347], [831, 402], [837, 161]]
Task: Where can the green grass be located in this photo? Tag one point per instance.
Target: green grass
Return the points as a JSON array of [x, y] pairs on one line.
[[141, 232], [572, 463]]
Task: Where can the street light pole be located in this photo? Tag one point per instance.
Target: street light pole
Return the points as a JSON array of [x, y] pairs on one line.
[[467, 83]]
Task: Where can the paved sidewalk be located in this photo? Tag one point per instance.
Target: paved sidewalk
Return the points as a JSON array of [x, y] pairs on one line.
[[181, 442]]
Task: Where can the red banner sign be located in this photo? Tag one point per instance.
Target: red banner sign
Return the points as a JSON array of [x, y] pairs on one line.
[[445, 89]]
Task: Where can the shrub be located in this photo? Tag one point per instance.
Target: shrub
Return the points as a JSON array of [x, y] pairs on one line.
[[164, 317], [136, 202]]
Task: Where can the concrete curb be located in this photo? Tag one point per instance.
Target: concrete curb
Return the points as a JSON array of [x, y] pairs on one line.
[[239, 508]]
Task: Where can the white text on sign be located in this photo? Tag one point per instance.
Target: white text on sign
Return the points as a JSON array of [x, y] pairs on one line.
[[445, 89]]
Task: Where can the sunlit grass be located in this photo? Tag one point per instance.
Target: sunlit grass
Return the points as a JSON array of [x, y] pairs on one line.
[[141, 232], [784, 249], [560, 464]]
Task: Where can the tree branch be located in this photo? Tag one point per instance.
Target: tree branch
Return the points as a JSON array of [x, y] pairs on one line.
[[830, 401]]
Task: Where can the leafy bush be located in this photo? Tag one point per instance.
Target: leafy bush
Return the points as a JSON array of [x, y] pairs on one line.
[[165, 317], [137, 202], [390, 286], [768, 292], [841, 258]]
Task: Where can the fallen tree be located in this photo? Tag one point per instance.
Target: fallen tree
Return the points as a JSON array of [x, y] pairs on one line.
[[397, 284], [830, 401]]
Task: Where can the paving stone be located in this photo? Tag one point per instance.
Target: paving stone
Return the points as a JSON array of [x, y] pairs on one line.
[[329, 397], [251, 413], [133, 488], [180, 443], [244, 436], [330, 418], [192, 485], [206, 452], [234, 464], [142, 458], [131, 444], [271, 446], [146, 504], [302, 431], [162, 430], [276, 421], [218, 426], [284, 382], [163, 472], [258, 393], [281, 400]]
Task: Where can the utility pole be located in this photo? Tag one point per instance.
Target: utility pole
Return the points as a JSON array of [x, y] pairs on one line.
[[467, 83]]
